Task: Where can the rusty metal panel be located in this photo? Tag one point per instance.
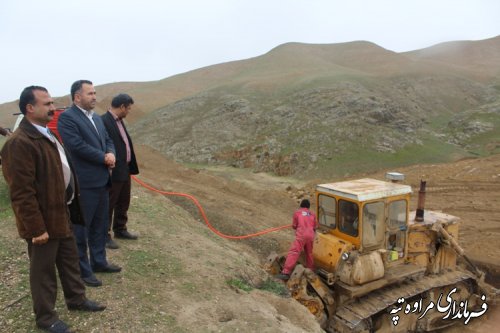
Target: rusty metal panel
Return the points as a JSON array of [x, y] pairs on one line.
[[364, 189], [327, 250], [420, 241], [432, 217]]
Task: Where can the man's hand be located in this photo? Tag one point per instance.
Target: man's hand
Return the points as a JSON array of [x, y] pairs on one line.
[[42, 239], [109, 160]]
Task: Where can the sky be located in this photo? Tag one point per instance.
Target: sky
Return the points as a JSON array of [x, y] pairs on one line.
[[54, 43]]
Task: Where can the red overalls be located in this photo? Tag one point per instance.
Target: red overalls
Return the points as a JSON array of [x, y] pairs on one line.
[[305, 224]]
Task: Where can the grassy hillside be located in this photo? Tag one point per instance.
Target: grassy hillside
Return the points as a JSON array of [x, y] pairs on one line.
[[341, 124], [312, 109], [335, 109]]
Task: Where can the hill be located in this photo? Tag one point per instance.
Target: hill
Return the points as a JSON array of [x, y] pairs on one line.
[[477, 59], [323, 109], [335, 109]]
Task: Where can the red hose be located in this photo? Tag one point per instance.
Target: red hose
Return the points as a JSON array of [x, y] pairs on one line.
[[202, 212]]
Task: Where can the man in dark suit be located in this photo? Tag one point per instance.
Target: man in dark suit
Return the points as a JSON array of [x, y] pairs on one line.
[[126, 165], [93, 154], [45, 200]]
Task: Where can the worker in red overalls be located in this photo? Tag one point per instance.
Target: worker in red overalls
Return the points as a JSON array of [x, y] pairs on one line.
[[305, 225]]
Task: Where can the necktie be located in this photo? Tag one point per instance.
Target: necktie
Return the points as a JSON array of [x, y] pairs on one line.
[[123, 134]]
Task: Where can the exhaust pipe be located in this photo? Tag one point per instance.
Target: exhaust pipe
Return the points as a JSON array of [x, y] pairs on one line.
[[419, 216]]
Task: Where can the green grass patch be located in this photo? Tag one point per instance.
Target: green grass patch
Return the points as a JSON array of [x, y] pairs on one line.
[[357, 159], [439, 122], [240, 284], [269, 285], [274, 287]]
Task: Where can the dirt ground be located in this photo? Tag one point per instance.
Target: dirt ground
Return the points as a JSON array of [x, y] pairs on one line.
[[241, 202], [175, 277], [469, 189]]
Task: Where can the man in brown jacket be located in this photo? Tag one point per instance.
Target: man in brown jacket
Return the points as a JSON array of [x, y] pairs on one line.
[[5, 131], [45, 200]]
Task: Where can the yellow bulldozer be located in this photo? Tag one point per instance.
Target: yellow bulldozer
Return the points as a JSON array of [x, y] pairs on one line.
[[380, 267]]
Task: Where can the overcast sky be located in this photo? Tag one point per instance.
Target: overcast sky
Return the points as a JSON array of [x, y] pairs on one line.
[[53, 43]]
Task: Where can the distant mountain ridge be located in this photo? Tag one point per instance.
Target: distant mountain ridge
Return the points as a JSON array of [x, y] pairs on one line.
[[314, 109], [472, 55], [341, 108]]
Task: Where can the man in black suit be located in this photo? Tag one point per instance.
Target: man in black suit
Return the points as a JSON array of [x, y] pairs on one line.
[[93, 154], [126, 165]]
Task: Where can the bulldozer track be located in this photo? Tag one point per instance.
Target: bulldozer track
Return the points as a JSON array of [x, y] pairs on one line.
[[354, 313]]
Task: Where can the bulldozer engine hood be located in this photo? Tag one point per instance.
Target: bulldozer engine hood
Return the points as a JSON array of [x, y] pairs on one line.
[[328, 250]]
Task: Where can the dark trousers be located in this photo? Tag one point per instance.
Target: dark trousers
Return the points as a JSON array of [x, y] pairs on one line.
[[60, 253], [95, 205], [119, 202]]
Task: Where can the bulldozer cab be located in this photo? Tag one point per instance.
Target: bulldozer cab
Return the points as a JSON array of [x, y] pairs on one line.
[[366, 214]]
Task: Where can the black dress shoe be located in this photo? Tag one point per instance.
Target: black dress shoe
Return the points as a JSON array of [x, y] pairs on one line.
[[92, 281], [110, 268], [124, 234], [284, 277], [88, 305], [111, 244], [58, 327]]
